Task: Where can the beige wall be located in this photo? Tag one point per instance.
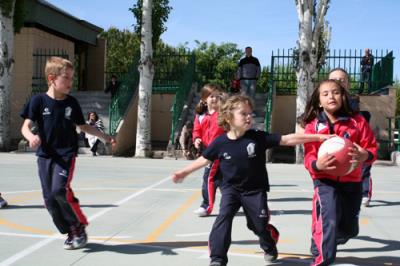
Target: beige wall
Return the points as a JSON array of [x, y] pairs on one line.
[[25, 44], [160, 124], [284, 114], [96, 66]]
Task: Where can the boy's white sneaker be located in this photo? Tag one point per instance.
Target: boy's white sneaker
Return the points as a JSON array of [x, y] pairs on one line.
[[201, 212]]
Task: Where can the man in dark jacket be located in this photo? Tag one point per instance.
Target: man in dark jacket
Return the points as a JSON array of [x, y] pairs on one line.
[[112, 86], [248, 72], [367, 63]]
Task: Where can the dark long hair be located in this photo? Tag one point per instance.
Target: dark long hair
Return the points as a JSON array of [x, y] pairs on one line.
[[313, 108]]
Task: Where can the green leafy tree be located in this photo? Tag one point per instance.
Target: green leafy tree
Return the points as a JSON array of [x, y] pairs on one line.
[[160, 13], [123, 47], [216, 63]]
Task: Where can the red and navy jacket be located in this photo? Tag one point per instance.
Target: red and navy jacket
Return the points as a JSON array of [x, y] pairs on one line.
[[206, 128], [355, 128]]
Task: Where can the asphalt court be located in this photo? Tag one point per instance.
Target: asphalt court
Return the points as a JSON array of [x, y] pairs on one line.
[[139, 217]]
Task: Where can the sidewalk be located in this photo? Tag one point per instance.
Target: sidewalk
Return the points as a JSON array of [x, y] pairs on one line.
[[139, 217]]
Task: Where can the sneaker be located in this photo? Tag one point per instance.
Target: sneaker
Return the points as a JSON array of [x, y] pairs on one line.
[[68, 242], [3, 202], [77, 238], [217, 263], [201, 212], [271, 255], [365, 202], [80, 237]]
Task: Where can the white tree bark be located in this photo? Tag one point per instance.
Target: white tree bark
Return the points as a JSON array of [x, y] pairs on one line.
[[146, 69], [6, 70], [309, 34]]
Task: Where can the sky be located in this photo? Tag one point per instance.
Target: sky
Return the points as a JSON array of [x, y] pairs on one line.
[[265, 25]]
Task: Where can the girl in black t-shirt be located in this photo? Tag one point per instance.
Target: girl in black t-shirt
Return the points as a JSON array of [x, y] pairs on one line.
[[241, 151]]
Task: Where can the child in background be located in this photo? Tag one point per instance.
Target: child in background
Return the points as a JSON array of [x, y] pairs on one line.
[[94, 141], [186, 141], [342, 77], [205, 130], [57, 114], [337, 199], [241, 151]]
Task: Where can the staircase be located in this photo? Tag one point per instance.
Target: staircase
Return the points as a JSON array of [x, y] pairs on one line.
[[99, 102]]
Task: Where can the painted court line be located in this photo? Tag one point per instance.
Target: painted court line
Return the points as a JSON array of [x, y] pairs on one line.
[[45, 242]]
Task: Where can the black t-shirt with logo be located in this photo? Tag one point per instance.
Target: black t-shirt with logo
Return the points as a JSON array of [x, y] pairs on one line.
[[56, 120], [243, 161]]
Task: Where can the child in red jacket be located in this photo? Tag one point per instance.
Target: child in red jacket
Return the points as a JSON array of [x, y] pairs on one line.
[[205, 130], [337, 199]]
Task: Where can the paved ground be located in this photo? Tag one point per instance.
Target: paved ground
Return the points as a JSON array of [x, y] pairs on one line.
[[139, 217]]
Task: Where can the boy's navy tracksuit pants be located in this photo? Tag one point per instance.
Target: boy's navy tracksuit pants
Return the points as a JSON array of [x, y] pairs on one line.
[[55, 178]]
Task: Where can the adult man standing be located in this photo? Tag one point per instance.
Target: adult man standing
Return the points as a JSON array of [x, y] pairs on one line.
[[367, 63], [248, 72]]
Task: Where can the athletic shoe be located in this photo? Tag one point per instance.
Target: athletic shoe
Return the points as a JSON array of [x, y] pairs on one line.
[[271, 255], [201, 212], [217, 263], [77, 238], [80, 237], [3, 202], [68, 242], [365, 202]]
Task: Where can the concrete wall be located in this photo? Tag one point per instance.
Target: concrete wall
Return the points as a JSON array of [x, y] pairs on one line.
[[25, 44], [160, 124]]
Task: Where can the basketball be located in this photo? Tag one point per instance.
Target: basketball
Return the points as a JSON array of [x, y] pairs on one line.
[[338, 147]]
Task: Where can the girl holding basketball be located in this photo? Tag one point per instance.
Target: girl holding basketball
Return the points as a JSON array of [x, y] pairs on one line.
[[337, 199]]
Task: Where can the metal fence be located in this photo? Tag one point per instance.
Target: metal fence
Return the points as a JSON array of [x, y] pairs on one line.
[[283, 72], [40, 57]]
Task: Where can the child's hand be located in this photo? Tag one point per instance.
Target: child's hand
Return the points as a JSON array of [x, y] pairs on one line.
[[325, 162], [358, 153], [34, 142], [178, 177], [197, 143]]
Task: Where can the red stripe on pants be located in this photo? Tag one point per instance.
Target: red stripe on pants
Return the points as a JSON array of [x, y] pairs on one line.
[[211, 185], [72, 201], [317, 230]]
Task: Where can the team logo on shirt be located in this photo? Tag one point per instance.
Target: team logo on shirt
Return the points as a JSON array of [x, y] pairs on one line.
[[46, 111], [251, 150], [68, 112], [226, 156]]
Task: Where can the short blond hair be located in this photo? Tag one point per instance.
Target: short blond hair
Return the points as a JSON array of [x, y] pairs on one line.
[[226, 111], [56, 66]]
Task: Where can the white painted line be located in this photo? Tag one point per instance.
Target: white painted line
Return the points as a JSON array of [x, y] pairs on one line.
[[193, 234], [140, 192], [58, 236], [45, 242], [32, 235]]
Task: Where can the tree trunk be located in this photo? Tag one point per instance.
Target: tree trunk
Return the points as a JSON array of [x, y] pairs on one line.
[[146, 69], [6, 68], [307, 70]]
